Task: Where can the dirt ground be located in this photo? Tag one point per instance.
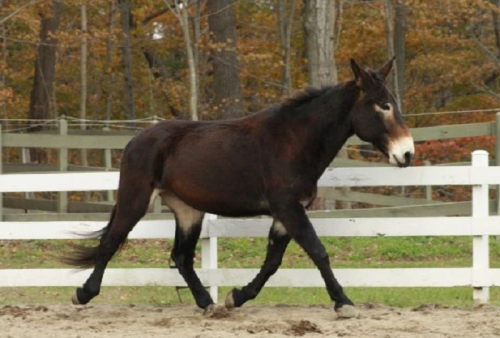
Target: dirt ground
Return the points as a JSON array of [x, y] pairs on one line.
[[375, 321]]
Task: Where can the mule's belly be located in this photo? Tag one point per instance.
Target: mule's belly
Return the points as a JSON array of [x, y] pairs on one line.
[[217, 179], [219, 194]]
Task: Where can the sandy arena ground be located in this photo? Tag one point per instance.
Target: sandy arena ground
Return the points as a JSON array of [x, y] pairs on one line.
[[375, 321]]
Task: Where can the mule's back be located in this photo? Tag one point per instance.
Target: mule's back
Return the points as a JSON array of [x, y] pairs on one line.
[[211, 166]]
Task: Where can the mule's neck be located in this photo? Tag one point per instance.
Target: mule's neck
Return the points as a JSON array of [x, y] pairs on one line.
[[332, 124]]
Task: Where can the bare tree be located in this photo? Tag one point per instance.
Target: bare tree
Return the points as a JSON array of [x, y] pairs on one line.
[[41, 104], [125, 10], [286, 11], [180, 9], [221, 22]]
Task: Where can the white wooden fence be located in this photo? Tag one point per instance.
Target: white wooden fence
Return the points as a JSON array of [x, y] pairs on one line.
[[480, 226]]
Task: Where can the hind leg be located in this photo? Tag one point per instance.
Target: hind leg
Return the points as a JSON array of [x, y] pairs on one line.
[[297, 224], [277, 242], [187, 233], [129, 210]]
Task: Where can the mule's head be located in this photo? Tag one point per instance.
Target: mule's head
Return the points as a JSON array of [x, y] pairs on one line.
[[376, 117]]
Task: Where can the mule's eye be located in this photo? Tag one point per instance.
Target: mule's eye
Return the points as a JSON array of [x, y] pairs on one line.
[[386, 106]]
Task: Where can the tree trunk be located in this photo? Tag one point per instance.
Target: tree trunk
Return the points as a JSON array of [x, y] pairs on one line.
[[320, 28], [83, 73], [338, 18], [3, 42], [222, 28], [180, 9], [400, 29], [335, 29], [285, 21], [319, 46], [41, 98], [193, 71], [334, 35], [125, 10], [109, 56], [390, 37], [396, 43], [196, 22]]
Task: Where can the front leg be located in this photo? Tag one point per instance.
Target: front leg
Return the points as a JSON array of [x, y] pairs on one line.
[[298, 226], [277, 242]]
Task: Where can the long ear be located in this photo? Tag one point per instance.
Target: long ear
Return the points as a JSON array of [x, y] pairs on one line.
[[386, 68], [361, 77], [355, 69]]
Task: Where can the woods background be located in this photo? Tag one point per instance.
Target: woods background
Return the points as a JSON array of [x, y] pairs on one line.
[[199, 59]]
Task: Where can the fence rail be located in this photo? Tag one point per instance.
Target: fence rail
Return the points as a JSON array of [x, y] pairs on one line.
[[106, 140], [118, 139], [479, 226]]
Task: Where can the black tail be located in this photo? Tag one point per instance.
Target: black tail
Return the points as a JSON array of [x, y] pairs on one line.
[[85, 257]]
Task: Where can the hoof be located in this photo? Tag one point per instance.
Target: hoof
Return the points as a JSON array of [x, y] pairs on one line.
[[229, 302], [74, 299], [347, 311], [216, 312]]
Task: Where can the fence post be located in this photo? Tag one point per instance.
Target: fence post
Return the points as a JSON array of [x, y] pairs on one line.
[[428, 188], [62, 203], [209, 255], [480, 244], [26, 158], [108, 164]]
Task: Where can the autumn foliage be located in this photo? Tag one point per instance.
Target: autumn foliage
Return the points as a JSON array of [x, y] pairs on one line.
[[451, 60]]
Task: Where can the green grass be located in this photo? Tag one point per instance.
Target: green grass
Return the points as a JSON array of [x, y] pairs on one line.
[[249, 252], [378, 252], [153, 295]]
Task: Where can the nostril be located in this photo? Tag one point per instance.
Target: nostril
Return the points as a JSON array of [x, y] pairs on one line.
[[407, 157]]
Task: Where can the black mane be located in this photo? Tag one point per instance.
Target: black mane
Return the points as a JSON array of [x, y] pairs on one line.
[[304, 96]]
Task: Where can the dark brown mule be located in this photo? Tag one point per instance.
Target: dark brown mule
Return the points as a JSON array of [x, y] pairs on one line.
[[264, 164]]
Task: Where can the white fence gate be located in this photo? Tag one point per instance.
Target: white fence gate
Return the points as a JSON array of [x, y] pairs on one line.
[[480, 226]]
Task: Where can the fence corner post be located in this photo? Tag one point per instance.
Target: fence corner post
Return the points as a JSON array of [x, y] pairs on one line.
[[209, 257], [480, 243], [62, 202], [108, 164]]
